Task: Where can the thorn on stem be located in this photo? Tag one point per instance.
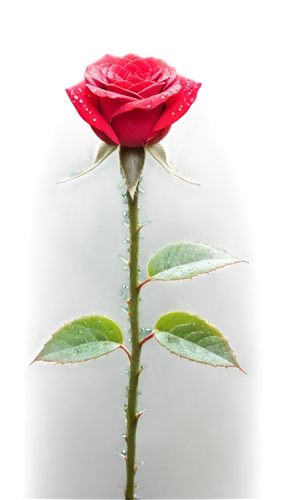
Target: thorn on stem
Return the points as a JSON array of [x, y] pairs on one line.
[[123, 491], [139, 465], [141, 226], [141, 369], [140, 414], [125, 311], [121, 455], [123, 260]]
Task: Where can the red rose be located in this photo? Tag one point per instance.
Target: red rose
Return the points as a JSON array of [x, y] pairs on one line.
[[132, 100]]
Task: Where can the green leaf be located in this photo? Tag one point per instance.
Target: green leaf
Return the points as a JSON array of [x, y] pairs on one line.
[[159, 153], [184, 260], [132, 162], [193, 338], [103, 152], [85, 338]]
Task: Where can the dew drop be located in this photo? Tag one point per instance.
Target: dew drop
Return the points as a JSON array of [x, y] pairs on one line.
[[94, 119], [89, 112], [148, 106], [81, 101], [173, 113], [86, 109], [76, 96]]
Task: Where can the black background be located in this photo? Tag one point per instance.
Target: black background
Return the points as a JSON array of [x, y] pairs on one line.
[[200, 438]]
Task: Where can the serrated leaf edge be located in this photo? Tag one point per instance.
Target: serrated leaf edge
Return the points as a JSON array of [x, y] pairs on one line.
[[37, 358], [195, 361], [152, 278]]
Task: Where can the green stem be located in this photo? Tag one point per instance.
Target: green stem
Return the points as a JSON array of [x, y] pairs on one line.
[[131, 413]]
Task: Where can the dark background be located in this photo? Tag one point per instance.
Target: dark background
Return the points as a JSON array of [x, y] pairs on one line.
[[201, 436]]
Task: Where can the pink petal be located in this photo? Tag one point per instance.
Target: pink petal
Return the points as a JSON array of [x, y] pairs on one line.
[[109, 106], [156, 64], [152, 90], [153, 139], [94, 74], [143, 84], [156, 75], [178, 105], [150, 102], [106, 93], [107, 59], [122, 89], [86, 105], [133, 128], [142, 65], [133, 79]]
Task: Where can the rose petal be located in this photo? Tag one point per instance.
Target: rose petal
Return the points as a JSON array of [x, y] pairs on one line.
[[94, 74], [137, 87], [107, 59], [133, 128], [178, 105], [87, 107], [159, 135], [152, 90], [122, 90], [109, 106], [152, 102], [157, 62], [142, 65], [132, 68], [156, 75], [106, 93], [133, 79]]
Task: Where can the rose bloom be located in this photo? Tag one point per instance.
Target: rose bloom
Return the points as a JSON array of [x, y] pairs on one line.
[[130, 100]]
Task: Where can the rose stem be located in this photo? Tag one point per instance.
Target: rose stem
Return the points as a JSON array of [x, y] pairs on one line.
[[131, 412]]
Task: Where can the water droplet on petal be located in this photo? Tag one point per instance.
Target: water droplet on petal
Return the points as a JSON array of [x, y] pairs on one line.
[[148, 106], [81, 101], [76, 96], [94, 119]]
